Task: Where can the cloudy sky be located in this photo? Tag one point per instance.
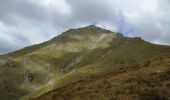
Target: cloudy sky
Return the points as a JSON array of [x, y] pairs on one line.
[[27, 22]]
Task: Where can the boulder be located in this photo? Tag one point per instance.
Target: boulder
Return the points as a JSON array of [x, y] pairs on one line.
[[50, 67], [28, 76]]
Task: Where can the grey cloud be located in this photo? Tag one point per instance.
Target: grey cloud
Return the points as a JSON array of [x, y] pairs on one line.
[[28, 22], [13, 10], [91, 11]]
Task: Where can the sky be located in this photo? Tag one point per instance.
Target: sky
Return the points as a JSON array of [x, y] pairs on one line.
[[28, 22]]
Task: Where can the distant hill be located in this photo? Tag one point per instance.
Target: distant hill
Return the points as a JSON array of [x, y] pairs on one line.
[[88, 63]]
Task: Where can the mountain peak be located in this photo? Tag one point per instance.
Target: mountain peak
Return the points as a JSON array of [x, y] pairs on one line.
[[85, 56], [92, 26], [90, 30]]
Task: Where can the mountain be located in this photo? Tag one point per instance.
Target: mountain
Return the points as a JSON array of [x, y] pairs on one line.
[[88, 63]]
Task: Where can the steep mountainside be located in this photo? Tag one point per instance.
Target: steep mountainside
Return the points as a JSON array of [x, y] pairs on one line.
[[88, 63]]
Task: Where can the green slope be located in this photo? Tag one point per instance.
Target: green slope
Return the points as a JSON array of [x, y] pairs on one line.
[[149, 81], [75, 55]]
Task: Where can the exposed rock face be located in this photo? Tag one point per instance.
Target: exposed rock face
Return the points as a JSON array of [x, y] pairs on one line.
[[25, 60], [10, 64], [28, 76], [50, 67]]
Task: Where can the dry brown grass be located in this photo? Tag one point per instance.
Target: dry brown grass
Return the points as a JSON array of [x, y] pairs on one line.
[[143, 82]]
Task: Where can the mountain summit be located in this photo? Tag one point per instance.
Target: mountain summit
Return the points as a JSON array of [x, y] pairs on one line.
[[88, 63]]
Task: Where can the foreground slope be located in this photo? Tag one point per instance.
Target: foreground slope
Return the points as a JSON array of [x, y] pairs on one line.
[[83, 56], [150, 81]]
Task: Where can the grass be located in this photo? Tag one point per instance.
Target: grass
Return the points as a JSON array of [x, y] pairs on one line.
[[139, 83], [102, 55]]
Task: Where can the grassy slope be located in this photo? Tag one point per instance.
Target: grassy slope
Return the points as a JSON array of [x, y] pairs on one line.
[[104, 61], [58, 52], [100, 54], [150, 81]]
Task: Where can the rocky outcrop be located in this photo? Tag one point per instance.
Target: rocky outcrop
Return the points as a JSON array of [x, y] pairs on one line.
[[50, 67], [10, 64], [25, 60], [28, 77]]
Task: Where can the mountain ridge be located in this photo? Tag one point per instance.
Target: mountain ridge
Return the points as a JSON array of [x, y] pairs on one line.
[[77, 55], [61, 35], [43, 44]]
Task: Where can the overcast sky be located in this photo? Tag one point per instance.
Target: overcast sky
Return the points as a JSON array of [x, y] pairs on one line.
[[27, 22]]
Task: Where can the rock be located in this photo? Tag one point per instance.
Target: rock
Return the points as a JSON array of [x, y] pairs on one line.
[[10, 64], [25, 60], [137, 38], [50, 67], [28, 76]]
